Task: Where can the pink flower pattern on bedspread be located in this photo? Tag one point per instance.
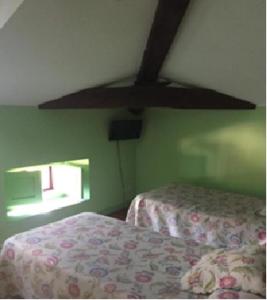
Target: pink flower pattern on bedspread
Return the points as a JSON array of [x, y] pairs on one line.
[[92, 256], [201, 215], [232, 294]]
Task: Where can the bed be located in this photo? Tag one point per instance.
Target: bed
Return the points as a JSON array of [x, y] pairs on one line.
[[93, 256], [201, 215]]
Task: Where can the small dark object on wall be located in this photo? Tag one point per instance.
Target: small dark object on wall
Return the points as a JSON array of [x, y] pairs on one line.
[[125, 130]]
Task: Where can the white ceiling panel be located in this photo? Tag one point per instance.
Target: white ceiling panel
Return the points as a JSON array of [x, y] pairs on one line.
[[54, 47], [221, 45], [7, 9]]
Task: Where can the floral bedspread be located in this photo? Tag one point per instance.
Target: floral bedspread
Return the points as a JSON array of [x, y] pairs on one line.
[[92, 256], [201, 215], [232, 294]]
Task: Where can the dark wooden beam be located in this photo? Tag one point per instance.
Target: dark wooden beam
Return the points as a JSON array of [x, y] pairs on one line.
[[168, 17], [148, 91], [136, 97]]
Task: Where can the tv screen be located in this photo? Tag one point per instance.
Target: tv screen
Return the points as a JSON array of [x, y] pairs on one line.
[[125, 129]]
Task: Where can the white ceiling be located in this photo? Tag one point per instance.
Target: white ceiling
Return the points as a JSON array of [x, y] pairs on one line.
[[50, 48], [7, 9], [54, 47], [221, 45]]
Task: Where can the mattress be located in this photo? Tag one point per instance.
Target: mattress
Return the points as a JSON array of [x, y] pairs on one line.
[[92, 256], [201, 215]]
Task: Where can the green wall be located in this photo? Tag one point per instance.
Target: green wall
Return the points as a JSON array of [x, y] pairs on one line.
[[220, 149], [30, 137]]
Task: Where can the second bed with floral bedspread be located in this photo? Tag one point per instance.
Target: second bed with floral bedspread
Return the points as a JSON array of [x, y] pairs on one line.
[[201, 215]]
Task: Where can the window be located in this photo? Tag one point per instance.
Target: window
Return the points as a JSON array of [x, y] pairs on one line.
[[47, 178], [41, 189]]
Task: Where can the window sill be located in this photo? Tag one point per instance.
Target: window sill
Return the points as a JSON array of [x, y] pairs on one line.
[[44, 207]]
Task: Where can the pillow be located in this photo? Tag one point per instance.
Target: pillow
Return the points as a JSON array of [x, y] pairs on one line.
[[261, 212], [232, 294], [242, 268]]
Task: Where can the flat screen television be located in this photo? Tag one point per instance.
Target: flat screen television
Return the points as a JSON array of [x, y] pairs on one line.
[[125, 129]]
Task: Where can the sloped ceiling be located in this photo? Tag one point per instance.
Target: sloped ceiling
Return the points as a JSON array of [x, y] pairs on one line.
[[51, 48], [221, 45], [7, 9]]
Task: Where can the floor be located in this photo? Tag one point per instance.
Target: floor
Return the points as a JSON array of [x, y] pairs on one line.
[[120, 214]]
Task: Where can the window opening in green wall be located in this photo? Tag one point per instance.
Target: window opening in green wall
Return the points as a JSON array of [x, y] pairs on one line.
[[47, 178], [41, 189]]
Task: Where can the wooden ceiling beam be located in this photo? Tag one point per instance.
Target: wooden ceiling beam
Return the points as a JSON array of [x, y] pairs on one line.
[[136, 97], [148, 91], [168, 16]]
